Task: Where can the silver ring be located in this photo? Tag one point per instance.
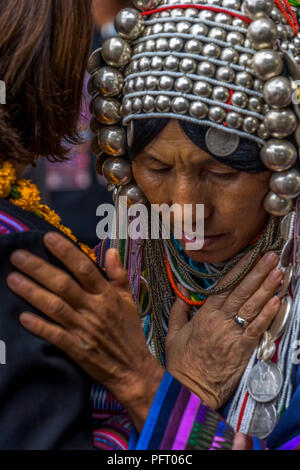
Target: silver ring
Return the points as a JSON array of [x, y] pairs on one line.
[[241, 322]]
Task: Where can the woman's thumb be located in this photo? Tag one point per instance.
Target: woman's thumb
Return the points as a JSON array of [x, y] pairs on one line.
[[179, 315], [115, 271]]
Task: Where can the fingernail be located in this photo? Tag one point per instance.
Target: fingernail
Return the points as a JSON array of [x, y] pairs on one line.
[[276, 275], [274, 301], [15, 280], [19, 257], [52, 238], [271, 258]]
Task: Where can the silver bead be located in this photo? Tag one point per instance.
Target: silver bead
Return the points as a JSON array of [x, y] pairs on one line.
[[217, 33], [176, 12], [207, 69], [171, 63], [212, 50], [130, 86], [107, 110], [183, 27], [278, 155], [257, 8], [234, 120], [220, 94], [255, 104], [169, 27], [199, 29], [183, 85], [280, 123], [134, 66], [229, 54], [117, 171], [207, 15], [148, 104], [180, 105], [193, 46], [137, 105], [150, 45], [216, 114], [139, 48], [176, 44], [262, 33], [239, 99], [133, 193], [112, 140], [157, 63], [126, 108], [191, 12], [244, 59], [239, 23], [116, 52], [157, 28], [244, 79], [262, 132], [267, 64], [276, 205], [129, 23], [225, 74], [198, 110], [286, 184], [144, 64], [144, 5], [188, 65], [95, 61], [250, 124], [108, 81], [275, 15], [235, 38], [166, 83], [139, 84], [232, 4], [223, 18], [258, 85], [278, 92], [162, 45], [163, 104], [202, 89]]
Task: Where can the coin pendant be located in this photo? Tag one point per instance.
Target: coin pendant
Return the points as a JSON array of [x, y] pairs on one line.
[[264, 381], [264, 420], [220, 143]]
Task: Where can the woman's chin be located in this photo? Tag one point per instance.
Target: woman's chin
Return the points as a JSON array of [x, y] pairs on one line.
[[214, 252]]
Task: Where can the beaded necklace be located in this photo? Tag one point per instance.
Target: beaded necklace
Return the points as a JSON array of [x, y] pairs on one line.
[[25, 195]]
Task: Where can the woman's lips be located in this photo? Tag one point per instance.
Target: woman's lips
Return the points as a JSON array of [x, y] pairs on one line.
[[208, 241]]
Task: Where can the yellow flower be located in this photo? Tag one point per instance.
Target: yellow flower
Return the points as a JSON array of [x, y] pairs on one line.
[[68, 232], [50, 216], [7, 179], [30, 197], [88, 251]]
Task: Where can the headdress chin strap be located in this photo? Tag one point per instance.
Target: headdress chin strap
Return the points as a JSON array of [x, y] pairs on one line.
[[228, 65]]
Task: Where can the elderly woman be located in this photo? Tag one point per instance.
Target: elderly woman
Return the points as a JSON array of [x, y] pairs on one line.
[[207, 106]]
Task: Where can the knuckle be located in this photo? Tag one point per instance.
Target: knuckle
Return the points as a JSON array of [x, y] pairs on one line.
[[63, 284], [248, 310], [55, 306], [85, 267]]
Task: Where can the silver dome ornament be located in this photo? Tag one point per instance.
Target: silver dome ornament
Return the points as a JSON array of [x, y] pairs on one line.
[[207, 69], [278, 155], [117, 171], [169, 27], [250, 124], [257, 8], [183, 27], [229, 54], [244, 79], [217, 33], [107, 110], [157, 28], [139, 84], [172, 63], [193, 46], [180, 105], [255, 104], [126, 108], [206, 15], [244, 59], [235, 38], [278, 92], [234, 120], [277, 206], [220, 93], [198, 110], [148, 104], [129, 23], [139, 48], [95, 61], [217, 114], [162, 45], [199, 29], [225, 74], [191, 12], [116, 52], [267, 64], [202, 89], [144, 64], [166, 83], [137, 105], [183, 85], [149, 45], [163, 104], [239, 99], [280, 123], [145, 5], [108, 81], [157, 63], [223, 18], [175, 44], [286, 184], [262, 33], [262, 131], [133, 193], [112, 141], [212, 50], [231, 4], [258, 85], [151, 83], [188, 65]]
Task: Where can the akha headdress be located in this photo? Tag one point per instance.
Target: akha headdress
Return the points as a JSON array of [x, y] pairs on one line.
[[228, 65]]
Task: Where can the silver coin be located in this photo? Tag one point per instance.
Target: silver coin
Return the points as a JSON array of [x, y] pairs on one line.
[[264, 420], [264, 381], [282, 318], [220, 143], [286, 225], [286, 253], [286, 282]]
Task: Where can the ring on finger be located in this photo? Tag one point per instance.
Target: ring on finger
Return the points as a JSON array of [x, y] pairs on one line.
[[241, 322]]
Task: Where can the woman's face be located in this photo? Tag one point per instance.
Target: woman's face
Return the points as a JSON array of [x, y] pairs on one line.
[[172, 170]]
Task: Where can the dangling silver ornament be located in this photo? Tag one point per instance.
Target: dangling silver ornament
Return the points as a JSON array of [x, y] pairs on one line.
[[262, 33], [278, 92], [112, 141], [108, 81], [145, 5], [107, 110], [116, 52], [117, 171], [267, 64], [133, 193], [284, 315], [280, 123], [129, 23], [286, 184], [279, 155], [257, 8], [277, 206]]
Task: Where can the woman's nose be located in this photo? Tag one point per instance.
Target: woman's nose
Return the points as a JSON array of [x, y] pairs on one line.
[[186, 191]]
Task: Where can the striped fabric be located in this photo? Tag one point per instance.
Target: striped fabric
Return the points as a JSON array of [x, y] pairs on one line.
[[9, 224]]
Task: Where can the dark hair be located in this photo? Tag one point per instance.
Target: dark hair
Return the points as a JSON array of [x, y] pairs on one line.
[[44, 46], [246, 158]]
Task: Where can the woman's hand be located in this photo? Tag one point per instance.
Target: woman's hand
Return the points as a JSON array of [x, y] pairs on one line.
[[96, 321], [210, 353]]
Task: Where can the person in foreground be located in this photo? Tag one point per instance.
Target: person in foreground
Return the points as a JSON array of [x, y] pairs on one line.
[[217, 368]]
